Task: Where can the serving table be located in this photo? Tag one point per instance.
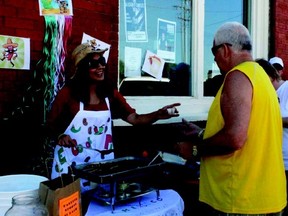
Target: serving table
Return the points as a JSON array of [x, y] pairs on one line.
[[132, 186], [168, 203], [119, 179]]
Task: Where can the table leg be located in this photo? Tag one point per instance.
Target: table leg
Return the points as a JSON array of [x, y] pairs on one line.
[[113, 191], [158, 195]]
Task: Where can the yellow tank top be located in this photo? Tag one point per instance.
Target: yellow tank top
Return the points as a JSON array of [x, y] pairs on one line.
[[252, 179]]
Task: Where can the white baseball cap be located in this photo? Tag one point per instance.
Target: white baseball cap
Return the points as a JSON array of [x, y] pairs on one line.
[[277, 60]]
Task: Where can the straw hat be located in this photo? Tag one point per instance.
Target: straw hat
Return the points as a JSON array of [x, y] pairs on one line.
[[81, 51]]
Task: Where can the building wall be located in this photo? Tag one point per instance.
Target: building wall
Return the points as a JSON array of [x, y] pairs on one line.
[[279, 39], [96, 18], [21, 18], [24, 131]]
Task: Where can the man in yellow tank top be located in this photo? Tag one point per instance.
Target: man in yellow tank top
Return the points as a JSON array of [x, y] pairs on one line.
[[242, 170]]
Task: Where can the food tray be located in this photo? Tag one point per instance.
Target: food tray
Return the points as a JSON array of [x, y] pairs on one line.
[[117, 169], [115, 193], [131, 191]]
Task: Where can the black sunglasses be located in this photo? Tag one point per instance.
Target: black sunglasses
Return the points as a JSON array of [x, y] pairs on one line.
[[215, 48], [96, 63]]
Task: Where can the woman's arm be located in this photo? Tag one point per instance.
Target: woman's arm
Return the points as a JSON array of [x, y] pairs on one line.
[[149, 118], [129, 114]]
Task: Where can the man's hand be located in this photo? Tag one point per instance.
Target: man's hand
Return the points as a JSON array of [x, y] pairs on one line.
[[190, 129]]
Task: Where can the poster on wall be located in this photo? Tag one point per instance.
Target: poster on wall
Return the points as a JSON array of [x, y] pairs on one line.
[[166, 37], [15, 52], [135, 21], [97, 44], [132, 62], [55, 7], [153, 65]]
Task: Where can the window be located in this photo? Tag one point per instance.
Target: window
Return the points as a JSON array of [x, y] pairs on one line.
[[160, 32], [189, 27], [216, 13]]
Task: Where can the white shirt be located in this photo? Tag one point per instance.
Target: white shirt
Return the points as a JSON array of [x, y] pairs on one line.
[[282, 93]]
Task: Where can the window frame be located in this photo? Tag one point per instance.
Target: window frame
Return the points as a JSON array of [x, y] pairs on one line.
[[195, 108]]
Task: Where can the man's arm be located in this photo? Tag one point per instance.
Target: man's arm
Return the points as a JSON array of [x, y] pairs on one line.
[[236, 102]]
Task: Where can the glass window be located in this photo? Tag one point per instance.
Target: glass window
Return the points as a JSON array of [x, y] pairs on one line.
[[155, 46], [216, 13], [194, 23]]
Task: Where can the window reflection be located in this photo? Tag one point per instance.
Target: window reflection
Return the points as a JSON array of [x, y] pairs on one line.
[[162, 30], [216, 13]]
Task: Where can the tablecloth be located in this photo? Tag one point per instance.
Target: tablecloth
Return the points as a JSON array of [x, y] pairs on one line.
[[169, 203]]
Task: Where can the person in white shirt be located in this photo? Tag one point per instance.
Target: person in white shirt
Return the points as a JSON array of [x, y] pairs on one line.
[[278, 64], [281, 88]]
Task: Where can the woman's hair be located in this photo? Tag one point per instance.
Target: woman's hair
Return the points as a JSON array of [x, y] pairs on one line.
[[269, 69], [79, 84]]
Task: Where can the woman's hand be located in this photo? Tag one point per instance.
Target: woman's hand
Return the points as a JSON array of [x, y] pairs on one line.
[[66, 141], [168, 111], [164, 113]]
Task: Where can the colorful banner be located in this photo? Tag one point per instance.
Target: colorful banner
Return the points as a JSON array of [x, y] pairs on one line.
[[55, 7]]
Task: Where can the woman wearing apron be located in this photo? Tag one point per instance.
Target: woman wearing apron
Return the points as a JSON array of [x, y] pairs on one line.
[[80, 119]]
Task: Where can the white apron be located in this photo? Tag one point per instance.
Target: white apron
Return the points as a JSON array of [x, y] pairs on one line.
[[91, 130]]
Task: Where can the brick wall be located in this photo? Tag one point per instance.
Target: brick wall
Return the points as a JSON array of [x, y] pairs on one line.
[[21, 18], [97, 18], [279, 40], [24, 132]]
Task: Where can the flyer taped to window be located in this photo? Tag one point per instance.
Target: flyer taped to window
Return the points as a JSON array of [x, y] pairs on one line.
[[153, 65]]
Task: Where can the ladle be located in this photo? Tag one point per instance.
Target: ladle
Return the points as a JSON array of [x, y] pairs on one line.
[[154, 158]]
